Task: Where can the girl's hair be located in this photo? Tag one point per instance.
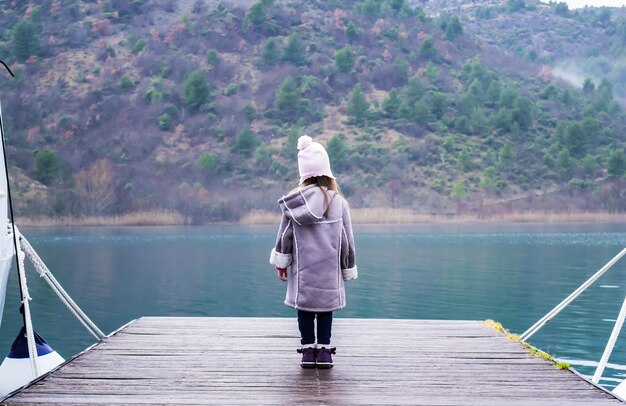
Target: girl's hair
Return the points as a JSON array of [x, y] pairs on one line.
[[324, 183]]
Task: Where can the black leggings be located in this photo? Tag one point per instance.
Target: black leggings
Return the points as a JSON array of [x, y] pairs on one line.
[[307, 328]]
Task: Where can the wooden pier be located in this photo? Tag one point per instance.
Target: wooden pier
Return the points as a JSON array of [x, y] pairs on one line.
[[178, 360]]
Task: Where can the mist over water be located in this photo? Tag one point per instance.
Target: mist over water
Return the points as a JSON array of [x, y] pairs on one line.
[[512, 273]]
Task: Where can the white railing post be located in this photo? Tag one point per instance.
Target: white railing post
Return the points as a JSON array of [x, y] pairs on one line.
[[552, 313], [610, 344]]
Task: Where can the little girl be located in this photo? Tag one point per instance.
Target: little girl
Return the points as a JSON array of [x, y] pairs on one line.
[[315, 239]]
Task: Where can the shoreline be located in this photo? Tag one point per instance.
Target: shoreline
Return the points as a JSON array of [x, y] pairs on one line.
[[359, 216]]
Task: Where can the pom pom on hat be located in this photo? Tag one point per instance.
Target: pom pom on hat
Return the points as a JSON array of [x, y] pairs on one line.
[[312, 159], [304, 142]]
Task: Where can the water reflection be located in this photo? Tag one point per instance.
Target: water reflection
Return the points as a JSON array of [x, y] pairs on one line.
[[513, 273]]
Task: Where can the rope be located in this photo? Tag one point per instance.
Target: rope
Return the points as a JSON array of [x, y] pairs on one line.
[[30, 336], [45, 273]]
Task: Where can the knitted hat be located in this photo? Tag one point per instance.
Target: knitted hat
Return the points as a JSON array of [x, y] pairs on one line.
[[312, 159]]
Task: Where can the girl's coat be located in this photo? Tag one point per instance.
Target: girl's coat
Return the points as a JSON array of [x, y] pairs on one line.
[[315, 238]]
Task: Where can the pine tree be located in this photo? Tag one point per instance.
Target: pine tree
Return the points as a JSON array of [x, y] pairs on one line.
[[337, 152], [438, 104], [245, 142], [47, 166], [255, 16], [197, 91], [294, 50], [453, 28], [269, 52], [427, 49], [421, 112], [344, 59], [357, 107], [391, 104], [288, 98], [616, 164], [458, 191], [352, 32], [25, 40]]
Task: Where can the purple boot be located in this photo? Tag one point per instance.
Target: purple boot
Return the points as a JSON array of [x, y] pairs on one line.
[[324, 357], [308, 356]]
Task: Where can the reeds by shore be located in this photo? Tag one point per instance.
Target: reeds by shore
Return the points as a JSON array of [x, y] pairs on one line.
[[359, 216], [407, 216], [141, 218]]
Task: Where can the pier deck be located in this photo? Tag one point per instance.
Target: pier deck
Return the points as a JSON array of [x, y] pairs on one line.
[[177, 360]]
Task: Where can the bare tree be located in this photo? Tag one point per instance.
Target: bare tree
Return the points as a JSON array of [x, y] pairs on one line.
[[95, 187]]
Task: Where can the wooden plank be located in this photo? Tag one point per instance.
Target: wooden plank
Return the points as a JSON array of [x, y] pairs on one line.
[[180, 360]]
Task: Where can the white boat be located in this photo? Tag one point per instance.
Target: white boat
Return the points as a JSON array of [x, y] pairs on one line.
[[30, 356]]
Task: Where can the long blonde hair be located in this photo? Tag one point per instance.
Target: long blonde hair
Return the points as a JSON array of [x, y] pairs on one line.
[[324, 183]]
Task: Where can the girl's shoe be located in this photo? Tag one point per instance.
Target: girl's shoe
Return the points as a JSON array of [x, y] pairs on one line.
[[324, 357], [308, 356]]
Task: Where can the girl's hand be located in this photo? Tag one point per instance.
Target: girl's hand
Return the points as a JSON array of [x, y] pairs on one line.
[[282, 274]]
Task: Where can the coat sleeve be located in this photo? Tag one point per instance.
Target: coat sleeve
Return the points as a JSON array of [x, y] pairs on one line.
[[281, 254], [348, 254]]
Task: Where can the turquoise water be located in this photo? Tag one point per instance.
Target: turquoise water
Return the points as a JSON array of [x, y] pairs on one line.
[[512, 273]]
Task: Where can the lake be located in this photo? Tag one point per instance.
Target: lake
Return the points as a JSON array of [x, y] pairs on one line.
[[512, 273]]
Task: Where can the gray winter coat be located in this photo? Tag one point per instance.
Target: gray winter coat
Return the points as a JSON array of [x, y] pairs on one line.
[[319, 246]]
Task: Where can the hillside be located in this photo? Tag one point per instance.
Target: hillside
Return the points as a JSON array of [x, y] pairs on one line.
[[196, 106]]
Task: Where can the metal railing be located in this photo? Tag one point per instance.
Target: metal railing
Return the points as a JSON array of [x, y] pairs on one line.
[[557, 309]]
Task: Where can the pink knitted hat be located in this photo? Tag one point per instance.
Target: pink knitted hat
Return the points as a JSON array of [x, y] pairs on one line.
[[312, 159]]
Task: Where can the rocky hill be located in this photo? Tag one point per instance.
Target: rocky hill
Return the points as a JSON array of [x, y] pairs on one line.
[[121, 106]]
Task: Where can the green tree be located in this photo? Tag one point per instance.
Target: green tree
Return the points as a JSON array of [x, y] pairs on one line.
[[493, 92], [414, 90], [207, 163], [48, 166], [465, 161], [589, 165], [427, 48], [458, 191], [288, 99], [506, 155], [391, 104], [564, 163], [453, 28], [344, 59], [479, 122], [523, 112], [352, 32], [249, 112], [488, 180], [466, 104], [462, 125], [337, 152], [438, 104], [561, 9], [212, 57], [616, 164], [246, 142], [503, 120], [508, 97], [575, 139], [515, 5], [588, 86], [357, 107], [294, 50], [431, 72], [255, 16], [196, 89], [25, 40], [269, 52], [421, 114]]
